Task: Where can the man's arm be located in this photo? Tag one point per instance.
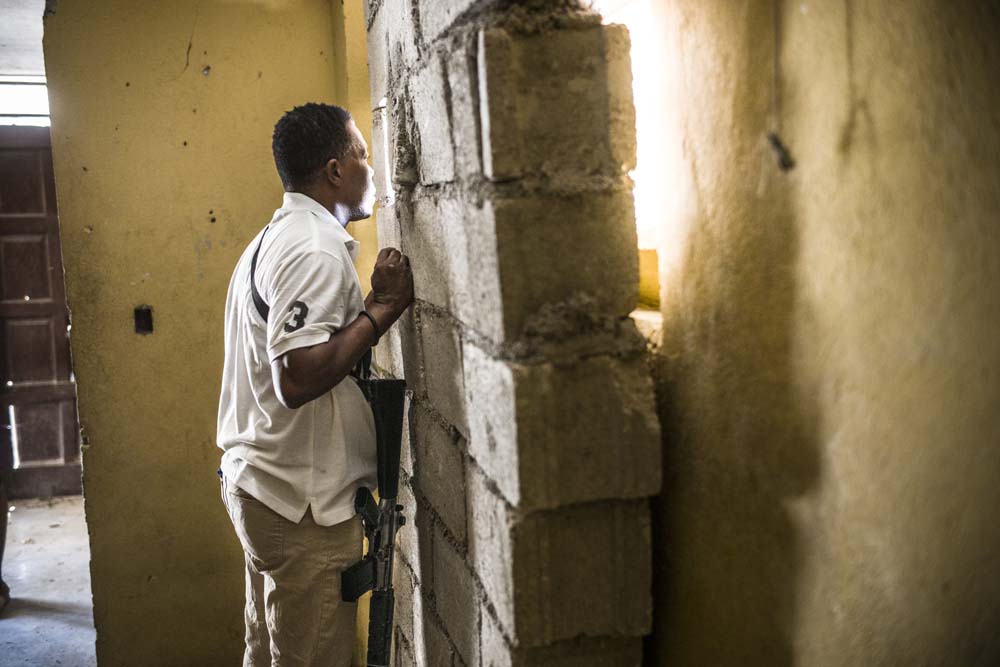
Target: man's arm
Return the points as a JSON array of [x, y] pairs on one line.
[[304, 374]]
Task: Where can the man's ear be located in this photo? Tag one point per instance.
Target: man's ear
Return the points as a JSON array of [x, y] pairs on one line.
[[332, 172]]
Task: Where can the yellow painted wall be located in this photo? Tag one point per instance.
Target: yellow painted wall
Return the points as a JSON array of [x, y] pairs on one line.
[[148, 149], [830, 371], [351, 69]]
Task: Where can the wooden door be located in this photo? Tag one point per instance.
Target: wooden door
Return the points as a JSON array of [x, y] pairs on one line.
[[37, 391]]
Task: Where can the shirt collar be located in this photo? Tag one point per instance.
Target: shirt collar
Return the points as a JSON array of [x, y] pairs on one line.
[[296, 201]]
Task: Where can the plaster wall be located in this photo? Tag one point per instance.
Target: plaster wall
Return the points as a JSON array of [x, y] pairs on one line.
[[161, 126], [830, 367]]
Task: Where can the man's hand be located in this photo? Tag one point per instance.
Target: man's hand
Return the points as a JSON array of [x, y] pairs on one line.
[[392, 288]]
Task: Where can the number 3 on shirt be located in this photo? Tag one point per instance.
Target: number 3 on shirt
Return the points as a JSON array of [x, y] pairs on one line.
[[298, 319]]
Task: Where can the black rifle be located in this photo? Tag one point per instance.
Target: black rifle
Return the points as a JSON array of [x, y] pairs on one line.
[[374, 571]]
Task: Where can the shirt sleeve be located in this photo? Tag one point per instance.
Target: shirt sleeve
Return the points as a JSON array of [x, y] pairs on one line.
[[309, 298]]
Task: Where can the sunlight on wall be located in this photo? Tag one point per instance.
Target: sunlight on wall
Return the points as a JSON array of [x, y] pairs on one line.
[[663, 188], [634, 14]]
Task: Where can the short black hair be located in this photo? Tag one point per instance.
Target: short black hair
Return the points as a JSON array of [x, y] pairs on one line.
[[306, 138]]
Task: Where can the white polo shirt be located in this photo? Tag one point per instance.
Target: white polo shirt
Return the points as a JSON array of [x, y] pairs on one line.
[[319, 454]]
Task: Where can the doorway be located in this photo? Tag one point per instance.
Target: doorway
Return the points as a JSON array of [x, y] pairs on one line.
[[37, 391], [46, 608]]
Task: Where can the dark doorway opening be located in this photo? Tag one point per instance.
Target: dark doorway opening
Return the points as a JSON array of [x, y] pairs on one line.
[[44, 548], [37, 389]]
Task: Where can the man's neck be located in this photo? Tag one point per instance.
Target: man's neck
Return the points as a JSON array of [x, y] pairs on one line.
[[338, 210], [341, 212]]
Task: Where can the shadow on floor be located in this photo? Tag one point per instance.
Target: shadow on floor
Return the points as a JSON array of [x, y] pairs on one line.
[[50, 618]]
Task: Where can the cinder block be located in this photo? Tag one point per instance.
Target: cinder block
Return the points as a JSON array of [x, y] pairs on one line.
[[438, 651], [371, 6], [498, 122], [492, 412], [584, 652], [414, 540], [478, 302], [462, 80], [497, 269], [382, 158], [398, 352], [407, 537], [456, 600], [393, 157], [441, 344], [392, 47], [403, 656], [440, 474], [521, 279], [556, 103], [540, 273], [404, 585], [504, 269], [436, 241], [551, 435], [388, 354], [388, 226], [620, 108], [413, 628], [455, 219], [490, 550], [583, 553], [494, 650], [577, 652], [436, 16], [428, 256], [548, 569], [378, 57], [587, 430], [404, 153], [412, 351], [403, 47], [417, 640], [406, 441], [430, 112]]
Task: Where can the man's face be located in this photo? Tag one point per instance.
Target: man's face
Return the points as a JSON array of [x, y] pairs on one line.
[[358, 178]]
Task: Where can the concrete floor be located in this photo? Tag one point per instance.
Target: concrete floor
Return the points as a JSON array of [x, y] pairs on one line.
[[50, 618]]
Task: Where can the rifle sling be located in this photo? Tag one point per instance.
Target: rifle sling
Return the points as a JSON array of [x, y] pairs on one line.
[[362, 371]]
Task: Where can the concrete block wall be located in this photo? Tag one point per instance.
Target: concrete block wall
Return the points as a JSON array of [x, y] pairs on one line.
[[503, 136]]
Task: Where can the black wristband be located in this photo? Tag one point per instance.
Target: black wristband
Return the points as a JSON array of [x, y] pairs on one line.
[[378, 334]]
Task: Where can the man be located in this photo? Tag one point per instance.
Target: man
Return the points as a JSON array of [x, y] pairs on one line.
[[297, 434]]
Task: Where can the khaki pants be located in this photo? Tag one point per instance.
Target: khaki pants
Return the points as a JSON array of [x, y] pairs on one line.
[[294, 614]]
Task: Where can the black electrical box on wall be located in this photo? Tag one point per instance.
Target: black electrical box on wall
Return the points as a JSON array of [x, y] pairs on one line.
[[144, 319]]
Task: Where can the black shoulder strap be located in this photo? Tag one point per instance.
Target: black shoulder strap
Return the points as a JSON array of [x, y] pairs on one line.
[[258, 300], [363, 369]]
